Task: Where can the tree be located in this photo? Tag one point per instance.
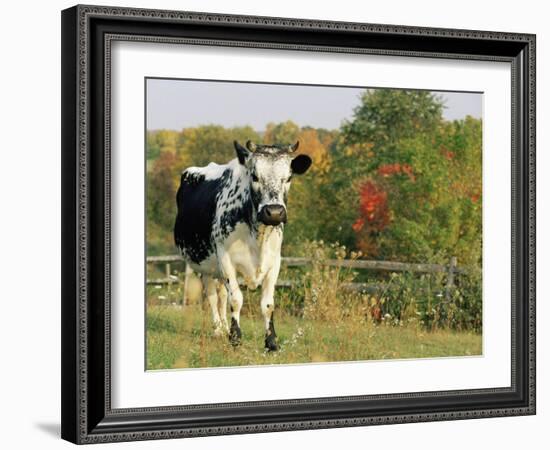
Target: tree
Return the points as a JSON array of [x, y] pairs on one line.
[[307, 209], [153, 147], [314, 148], [211, 143], [161, 191], [406, 183], [281, 133], [397, 181]]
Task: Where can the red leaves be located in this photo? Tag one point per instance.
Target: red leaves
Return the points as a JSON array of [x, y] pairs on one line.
[[358, 224], [446, 153], [373, 198], [386, 170], [373, 207], [374, 211]]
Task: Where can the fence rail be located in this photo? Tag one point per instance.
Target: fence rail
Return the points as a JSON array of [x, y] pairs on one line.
[[450, 269], [389, 266]]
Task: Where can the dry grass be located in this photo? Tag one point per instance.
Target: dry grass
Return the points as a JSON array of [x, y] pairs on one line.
[[316, 321], [183, 337]]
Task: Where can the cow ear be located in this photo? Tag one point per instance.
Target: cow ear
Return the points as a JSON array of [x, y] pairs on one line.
[[242, 153], [300, 164]]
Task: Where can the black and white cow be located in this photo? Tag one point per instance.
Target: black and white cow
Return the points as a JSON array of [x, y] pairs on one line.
[[230, 222]]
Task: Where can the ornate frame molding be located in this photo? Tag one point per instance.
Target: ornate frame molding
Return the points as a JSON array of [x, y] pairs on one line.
[[81, 57]]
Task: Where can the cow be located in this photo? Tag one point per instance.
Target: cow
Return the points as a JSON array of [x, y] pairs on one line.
[[229, 223]]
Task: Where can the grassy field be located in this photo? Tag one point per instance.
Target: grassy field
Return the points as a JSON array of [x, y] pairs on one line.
[[182, 337]]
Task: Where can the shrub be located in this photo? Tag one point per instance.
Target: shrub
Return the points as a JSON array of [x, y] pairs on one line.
[[424, 299], [327, 293]]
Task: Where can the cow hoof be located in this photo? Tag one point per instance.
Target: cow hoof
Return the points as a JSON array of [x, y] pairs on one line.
[[234, 333], [271, 343], [235, 339], [219, 332]]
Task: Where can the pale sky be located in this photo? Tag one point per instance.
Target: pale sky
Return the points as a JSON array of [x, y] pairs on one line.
[[177, 104]]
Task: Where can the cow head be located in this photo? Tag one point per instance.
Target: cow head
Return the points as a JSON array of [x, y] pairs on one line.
[[269, 169]]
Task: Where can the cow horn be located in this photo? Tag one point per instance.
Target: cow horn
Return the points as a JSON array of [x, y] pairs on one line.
[[293, 148], [251, 146]]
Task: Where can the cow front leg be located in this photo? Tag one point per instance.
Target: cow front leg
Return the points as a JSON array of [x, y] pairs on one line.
[[222, 295], [235, 297], [268, 306], [212, 297]]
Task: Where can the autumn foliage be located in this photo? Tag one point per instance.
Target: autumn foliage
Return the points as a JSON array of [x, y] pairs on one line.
[[397, 181], [373, 208], [415, 178], [387, 170]]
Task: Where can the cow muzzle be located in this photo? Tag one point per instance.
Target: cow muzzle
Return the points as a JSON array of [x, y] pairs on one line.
[[272, 215]]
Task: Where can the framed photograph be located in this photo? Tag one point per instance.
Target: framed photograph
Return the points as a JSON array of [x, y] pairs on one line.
[[280, 224]]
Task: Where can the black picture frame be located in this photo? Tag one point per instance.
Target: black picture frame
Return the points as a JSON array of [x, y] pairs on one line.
[[87, 32]]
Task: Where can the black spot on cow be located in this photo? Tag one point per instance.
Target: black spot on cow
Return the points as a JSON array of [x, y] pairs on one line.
[[256, 197], [234, 215], [196, 203]]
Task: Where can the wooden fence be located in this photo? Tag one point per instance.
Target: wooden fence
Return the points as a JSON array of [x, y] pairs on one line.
[[450, 269]]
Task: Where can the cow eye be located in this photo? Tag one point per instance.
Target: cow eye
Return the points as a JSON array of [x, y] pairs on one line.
[[254, 178]]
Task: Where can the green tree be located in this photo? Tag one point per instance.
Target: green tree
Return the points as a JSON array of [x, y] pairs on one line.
[[211, 143], [161, 191], [406, 184], [153, 146], [281, 133]]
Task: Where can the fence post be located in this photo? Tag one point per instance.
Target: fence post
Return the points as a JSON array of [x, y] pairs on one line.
[[450, 278], [167, 271]]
